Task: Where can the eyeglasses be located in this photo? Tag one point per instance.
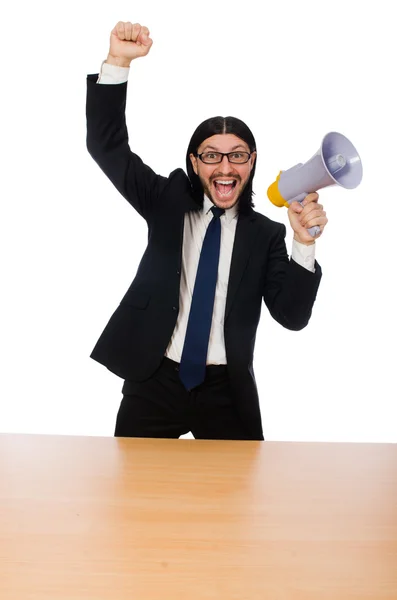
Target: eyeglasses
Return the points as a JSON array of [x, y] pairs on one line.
[[212, 158]]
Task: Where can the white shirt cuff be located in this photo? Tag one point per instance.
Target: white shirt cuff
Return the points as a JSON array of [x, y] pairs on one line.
[[110, 74], [304, 255]]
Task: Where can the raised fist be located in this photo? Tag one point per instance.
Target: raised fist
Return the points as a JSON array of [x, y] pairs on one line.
[[128, 41]]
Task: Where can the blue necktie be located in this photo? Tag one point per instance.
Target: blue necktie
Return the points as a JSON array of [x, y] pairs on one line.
[[194, 354]]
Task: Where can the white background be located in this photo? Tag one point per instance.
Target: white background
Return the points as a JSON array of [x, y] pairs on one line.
[[70, 244]]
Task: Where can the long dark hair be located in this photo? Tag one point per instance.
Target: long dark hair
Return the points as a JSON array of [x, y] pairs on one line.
[[214, 126]]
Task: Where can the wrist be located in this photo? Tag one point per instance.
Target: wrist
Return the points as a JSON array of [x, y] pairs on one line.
[[305, 242], [118, 61]]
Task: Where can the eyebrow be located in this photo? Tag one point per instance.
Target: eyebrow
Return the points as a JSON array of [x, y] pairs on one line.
[[216, 149]]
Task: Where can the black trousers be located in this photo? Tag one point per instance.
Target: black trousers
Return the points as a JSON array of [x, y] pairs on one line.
[[160, 407]]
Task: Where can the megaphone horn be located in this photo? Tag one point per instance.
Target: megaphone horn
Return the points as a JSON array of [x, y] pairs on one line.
[[337, 162]]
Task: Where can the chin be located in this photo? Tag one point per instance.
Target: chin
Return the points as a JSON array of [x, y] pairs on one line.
[[226, 203]]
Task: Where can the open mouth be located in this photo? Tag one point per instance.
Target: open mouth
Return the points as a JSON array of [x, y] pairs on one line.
[[225, 188]]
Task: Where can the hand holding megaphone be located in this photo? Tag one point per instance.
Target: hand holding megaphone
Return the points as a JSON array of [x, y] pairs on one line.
[[305, 215], [336, 162]]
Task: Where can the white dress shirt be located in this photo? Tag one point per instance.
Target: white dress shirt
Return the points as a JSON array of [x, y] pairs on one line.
[[196, 224], [195, 227]]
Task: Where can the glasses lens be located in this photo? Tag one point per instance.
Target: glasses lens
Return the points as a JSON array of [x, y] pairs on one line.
[[239, 157], [211, 157]]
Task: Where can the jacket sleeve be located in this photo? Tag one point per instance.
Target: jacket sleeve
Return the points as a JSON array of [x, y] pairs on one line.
[[289, 289], [107, 143]]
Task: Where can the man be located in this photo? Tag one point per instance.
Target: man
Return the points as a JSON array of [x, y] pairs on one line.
[[183, 336]]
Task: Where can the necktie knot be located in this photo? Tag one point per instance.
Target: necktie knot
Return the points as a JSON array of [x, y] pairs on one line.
[[217, 212]]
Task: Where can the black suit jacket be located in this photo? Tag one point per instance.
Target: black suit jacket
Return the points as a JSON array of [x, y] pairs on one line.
[[135, 339]]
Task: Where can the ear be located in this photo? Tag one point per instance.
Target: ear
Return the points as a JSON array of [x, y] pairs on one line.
[[194, 162], [253, 159]]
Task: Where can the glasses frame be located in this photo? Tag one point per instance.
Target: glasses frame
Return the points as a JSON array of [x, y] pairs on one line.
[[218, 162]]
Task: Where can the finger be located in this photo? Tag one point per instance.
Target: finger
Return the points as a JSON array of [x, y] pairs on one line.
[[314, 214], [136, 30], [128, 30], [115, 28], [120, 30], [310, 211], [321, 221], [144, 36], [313, 197], [312, 206], [296, 206]]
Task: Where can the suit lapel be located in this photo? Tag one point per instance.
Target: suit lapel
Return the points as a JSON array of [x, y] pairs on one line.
[[243, 243]]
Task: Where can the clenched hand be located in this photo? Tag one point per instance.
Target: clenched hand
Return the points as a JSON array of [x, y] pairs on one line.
[[127, 42]]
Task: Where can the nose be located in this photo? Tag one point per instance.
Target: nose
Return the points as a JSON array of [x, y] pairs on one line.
[[225, 165]]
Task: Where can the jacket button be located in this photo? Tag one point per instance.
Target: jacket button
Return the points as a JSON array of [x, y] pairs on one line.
[[178, 272], [174, 308]]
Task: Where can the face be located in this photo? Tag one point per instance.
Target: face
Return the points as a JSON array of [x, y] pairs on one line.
[[224, 182]]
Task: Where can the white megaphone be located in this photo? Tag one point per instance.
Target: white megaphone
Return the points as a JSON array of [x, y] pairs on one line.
[[336, 162]]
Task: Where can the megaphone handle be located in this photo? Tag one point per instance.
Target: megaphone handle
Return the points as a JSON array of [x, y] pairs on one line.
[[312, 230], [299, 198]]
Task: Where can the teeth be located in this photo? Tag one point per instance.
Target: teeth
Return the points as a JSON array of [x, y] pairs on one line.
[[224, 182]]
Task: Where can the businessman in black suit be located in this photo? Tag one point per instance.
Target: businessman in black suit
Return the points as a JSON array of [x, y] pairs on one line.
[[183, 335]]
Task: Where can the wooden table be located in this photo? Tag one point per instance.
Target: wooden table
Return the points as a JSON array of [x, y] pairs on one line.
[[141, 519]]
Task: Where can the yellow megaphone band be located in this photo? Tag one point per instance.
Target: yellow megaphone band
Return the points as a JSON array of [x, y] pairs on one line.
[[274, 195]]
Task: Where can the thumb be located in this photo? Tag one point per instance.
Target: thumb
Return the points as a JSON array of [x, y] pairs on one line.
[[145, 39], [296, 207]]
